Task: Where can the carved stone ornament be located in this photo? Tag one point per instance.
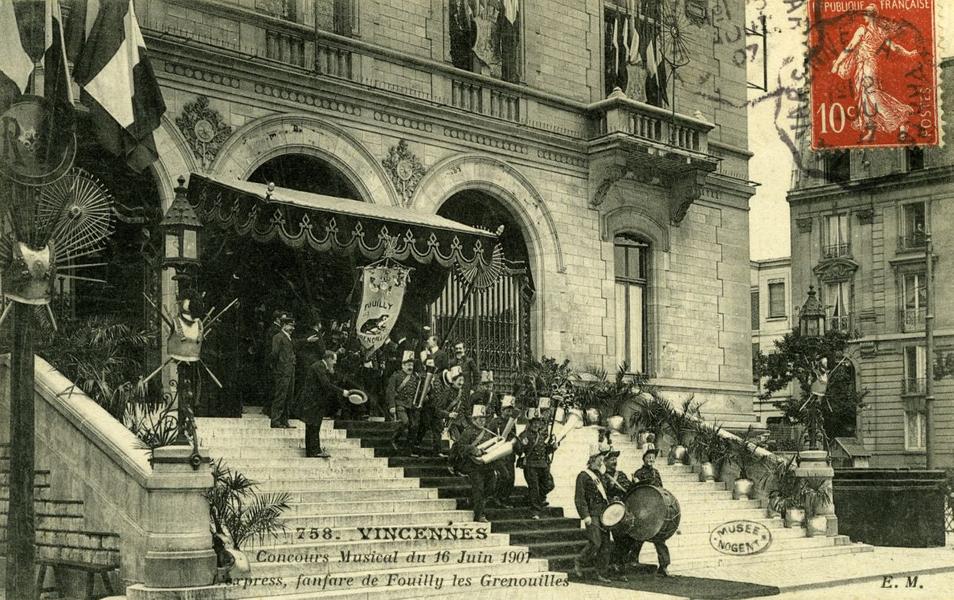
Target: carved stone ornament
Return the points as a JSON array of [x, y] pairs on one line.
[[804, 224], [865, 216], [835, 270], [404, 169], [684, 190], [204, 129]]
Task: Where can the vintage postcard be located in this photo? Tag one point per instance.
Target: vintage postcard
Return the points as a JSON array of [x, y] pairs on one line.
[[518, 299]]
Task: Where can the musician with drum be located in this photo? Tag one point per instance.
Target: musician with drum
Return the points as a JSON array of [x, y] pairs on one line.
[[536, 445], [617, 485], [465, 456], [591, 500], [504, 426], [648, 475], [444, 403]]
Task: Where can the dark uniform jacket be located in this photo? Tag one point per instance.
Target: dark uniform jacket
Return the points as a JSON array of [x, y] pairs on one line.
[[588, 498], [282, 356], [465, 449], [319, 395], [488, 399], [401, 389], [648, 475], [533, 443], [468, 367], [448, 399], [616, 485]]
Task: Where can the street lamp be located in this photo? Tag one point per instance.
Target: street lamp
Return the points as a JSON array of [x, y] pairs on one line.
[[811, 318], [180, 230]]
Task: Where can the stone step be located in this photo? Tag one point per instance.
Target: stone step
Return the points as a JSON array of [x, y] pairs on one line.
[[272, 552], [303, 533], [270, 437], [525, 525], [299, 484], [404, 581], [315, 469], [490, 556], [244, 454], [375, 493], [380, 519], [49, 507], [801, 550], [382, 504]]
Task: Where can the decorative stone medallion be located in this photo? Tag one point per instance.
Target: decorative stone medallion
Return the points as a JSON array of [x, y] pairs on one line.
[[404, 169], [204, 129]]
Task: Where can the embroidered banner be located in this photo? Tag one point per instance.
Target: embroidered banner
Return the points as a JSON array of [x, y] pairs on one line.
[[381, 298]]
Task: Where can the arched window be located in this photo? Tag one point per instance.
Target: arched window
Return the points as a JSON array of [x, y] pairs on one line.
[[631, 265]]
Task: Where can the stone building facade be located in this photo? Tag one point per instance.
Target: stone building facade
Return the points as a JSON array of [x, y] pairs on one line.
[[379, 92], [773, 315], [857, 228]]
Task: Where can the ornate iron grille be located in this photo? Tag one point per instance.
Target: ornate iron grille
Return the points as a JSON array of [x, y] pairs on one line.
[[494, 323]]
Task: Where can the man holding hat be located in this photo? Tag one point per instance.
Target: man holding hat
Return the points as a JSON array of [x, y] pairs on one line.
[[319, 397], [283, 371], [617, 484], [591, 499], [465, 452], [536, 447], [504, 467], [649, 475], [401, 388]]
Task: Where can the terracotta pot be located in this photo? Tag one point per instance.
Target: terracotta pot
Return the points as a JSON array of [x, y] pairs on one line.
[[817, 525], [794, 517], [742, 489], [641, 439], [627, 410], [592, 416], [615, 423], [706, 472]]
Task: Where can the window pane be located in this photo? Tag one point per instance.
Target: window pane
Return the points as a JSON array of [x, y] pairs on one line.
[[633, 263], [621, 330], [776, 299], [755, 311], [619, 261], [635, 328], [913, 218]]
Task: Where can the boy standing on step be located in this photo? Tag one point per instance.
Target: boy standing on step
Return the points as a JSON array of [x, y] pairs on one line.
[[400, 391], [649, 475]]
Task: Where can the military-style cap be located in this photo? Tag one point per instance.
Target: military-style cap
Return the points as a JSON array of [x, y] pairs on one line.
[[407, 357], [507, 401], [479, 410], [486, 377]]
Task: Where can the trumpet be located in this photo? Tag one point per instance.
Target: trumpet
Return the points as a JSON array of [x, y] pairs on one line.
[[424, 385]]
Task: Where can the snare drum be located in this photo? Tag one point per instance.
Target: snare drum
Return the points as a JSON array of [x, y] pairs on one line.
[[616, 518], [496, 452]]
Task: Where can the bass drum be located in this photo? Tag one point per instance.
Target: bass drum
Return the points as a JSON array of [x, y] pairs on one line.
[[655, 511]]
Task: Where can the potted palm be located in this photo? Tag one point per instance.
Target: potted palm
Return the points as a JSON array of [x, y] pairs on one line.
[[653, 415], [783, 498], [814, 494], [710, 447], [681, 424], [742, 453]]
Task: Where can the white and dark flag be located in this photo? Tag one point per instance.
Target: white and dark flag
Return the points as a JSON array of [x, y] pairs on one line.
[[117, 82]]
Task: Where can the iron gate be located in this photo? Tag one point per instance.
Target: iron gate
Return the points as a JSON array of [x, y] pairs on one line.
[[494, 323]]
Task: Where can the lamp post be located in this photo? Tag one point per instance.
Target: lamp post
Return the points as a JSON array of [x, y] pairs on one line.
[[180, 231], [811, 317]]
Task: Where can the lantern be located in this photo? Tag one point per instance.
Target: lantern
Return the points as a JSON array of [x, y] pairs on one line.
[[180, 231], [811, 318]]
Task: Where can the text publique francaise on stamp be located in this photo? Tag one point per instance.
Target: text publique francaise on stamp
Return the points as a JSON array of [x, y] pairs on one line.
[[873, 73]]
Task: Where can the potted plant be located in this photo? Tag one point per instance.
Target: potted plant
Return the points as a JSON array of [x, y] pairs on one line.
[[742, 453], [652, 416], [593, 391], [710, 447], [239, 513], [783, 497], [814, 494], [682, 423]]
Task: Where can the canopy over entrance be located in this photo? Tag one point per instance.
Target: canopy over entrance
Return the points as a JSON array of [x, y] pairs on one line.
[[327, 223]]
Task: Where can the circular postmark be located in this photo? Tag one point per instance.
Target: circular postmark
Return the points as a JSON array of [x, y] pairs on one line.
[[740, 538], [37, 146]]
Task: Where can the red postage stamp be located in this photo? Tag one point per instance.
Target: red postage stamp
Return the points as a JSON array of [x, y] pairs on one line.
[[873, 73]]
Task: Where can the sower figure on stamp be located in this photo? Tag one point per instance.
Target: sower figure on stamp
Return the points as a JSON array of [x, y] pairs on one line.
[[505, 426], [401, 388], [464, 455], [617, 484], [591, 499], [319, 398], [649, 475], [536, 446], [283, 372]]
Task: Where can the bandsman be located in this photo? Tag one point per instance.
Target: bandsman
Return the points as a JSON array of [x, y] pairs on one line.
[[617, 485], [402, 385], [591, 500], [485, 393], [504, 426], [649, 475], [536, 446], [464, 456]]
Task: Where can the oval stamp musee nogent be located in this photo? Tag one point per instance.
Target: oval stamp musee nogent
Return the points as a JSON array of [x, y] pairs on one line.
[[740, 538]]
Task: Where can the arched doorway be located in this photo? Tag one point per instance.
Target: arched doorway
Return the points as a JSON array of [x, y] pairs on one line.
[[494, 323]]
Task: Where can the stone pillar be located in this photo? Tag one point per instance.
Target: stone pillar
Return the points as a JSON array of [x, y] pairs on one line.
[[814, 463], [179, 559]]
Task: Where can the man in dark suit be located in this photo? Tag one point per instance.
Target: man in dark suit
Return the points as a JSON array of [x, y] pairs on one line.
[[267, 365], [468, 367], [283, 372], [401, 388], [591, 499], [309, 349], [319, 397], [649, 475]]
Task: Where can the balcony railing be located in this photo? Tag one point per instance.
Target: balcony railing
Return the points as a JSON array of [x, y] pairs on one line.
[[912, 241], [913, 386], [836, 250], [840, 323], [912, 319], [653, 124]]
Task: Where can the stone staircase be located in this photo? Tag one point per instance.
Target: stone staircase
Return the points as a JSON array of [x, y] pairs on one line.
[[62, 535], [704, 507], [363, 502]]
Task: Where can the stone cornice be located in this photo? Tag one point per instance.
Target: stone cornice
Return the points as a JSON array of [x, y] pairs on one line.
[[878, 185]]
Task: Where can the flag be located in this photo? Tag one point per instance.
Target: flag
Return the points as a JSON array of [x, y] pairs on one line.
[[615, 45], [633, 56], [119, 86], [16, 66], [57, 86]]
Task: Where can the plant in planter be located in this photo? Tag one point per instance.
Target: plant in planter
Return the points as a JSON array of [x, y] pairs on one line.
[[814, 494], [783, 497], [653, 414], [742, 453], [710, 447], [239, 513], [681, 424], [594, 393]]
